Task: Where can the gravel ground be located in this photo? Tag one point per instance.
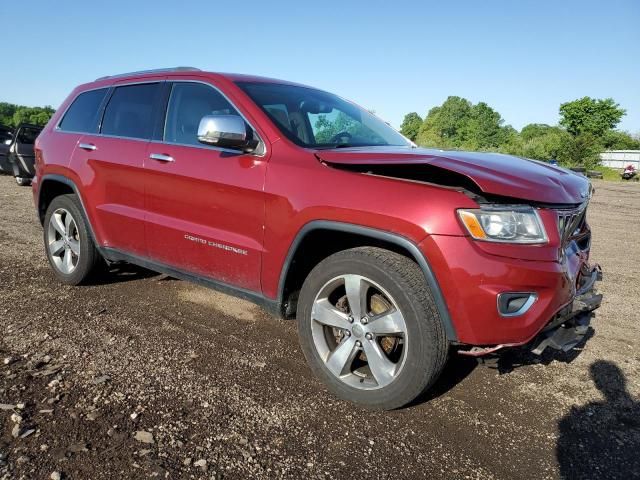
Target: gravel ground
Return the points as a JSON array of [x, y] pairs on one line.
[[143, 376]]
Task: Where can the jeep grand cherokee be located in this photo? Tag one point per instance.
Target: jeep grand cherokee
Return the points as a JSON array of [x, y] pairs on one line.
[[390, 256]]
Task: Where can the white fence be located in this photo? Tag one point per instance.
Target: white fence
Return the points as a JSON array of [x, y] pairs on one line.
[[621, 158]]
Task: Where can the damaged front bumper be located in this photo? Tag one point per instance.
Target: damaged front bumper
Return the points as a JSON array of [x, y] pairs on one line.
[[571, 324], [567, 328]]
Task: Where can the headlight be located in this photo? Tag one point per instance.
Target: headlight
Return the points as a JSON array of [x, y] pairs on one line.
[[507, 224]]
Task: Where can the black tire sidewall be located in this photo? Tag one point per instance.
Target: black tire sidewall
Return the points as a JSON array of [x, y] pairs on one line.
[[421, 364], [88, 253]]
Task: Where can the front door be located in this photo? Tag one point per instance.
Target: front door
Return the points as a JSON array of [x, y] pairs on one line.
[[204, 205]]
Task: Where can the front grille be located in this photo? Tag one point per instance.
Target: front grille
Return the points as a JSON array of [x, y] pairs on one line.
[[572, 223]]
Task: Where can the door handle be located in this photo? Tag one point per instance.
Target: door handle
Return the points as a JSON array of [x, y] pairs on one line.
[[161, 157], [87, 146]]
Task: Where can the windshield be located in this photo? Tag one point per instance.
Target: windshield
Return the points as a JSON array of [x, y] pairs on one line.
[[317, 119]]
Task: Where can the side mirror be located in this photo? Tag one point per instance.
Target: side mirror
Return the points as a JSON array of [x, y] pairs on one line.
[[226, 131]]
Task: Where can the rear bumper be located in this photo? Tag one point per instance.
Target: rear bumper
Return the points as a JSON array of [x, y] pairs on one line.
[[567, 328]]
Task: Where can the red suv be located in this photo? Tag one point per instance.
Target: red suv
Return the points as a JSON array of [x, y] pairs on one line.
[[294, 198]]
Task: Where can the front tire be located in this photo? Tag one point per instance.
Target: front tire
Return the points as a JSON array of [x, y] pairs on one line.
[[369, 327], [68, 244]]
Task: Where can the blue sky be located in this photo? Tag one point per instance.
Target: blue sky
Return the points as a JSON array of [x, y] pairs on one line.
[[523, 58]]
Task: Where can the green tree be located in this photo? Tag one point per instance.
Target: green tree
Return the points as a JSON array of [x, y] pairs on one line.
[[534, 130], [443, 126], [580, 150], [538, 141], [457, 123], [13, 115], [590, 116], [549, 146], [6, 113], [411, 125], [483, 130], [586, 129], [35, 115], [618, 140]]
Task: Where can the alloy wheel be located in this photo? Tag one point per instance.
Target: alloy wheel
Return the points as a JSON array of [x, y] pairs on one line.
[[63, 241], [359, 332]]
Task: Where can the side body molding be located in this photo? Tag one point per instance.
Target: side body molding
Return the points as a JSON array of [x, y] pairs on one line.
[[382, 235]]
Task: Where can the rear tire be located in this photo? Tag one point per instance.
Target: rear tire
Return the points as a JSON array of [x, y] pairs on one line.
[[69, 246], [396, 325]]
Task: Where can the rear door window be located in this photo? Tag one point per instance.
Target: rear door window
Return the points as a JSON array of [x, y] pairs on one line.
[[130, 111], [82, 115]]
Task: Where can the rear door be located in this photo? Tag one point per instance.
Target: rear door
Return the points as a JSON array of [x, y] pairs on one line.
[[111, 163], [22, 151], [205, 205]]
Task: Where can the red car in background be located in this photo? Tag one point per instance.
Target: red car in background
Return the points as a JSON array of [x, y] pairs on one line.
[[389, 255]]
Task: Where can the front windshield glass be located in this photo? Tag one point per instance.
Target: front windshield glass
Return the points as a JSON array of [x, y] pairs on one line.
[[317, 119]]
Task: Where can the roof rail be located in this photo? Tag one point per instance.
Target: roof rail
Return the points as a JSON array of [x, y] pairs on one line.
[[157, 70]]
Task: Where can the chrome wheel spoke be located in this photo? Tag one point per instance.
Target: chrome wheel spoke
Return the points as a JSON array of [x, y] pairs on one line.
[[326, 314], [356, 295], [74, 245], [56, 248], [340, 360], [387, 324], [58, 224], [67, 261], [382, 369], [68, 224]]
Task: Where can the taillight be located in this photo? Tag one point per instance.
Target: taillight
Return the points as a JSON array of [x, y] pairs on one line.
[[39, 161]]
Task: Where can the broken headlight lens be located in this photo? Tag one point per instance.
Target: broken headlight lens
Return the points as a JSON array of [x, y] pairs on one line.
[[512, 224]]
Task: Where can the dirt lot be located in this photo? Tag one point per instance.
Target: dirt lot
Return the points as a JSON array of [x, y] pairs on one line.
[[220, 389]]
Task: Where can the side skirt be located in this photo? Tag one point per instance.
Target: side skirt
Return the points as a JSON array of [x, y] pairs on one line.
[[272, 306]]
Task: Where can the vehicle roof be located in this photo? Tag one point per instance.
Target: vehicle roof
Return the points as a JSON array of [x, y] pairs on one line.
[[240, 77], [184, 72]]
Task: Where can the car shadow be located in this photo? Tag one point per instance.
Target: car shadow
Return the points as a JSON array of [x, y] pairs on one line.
[[602, 439], [124, 272], [459, 367], [513, 358]]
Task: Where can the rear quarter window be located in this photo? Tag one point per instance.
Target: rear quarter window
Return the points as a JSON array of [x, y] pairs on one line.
[[130, 110], [82, 115]]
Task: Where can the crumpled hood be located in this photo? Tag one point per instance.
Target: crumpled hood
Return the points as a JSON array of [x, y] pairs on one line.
[[494, 173]]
